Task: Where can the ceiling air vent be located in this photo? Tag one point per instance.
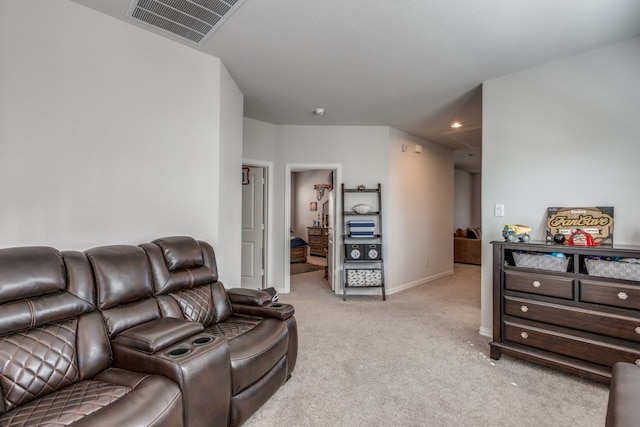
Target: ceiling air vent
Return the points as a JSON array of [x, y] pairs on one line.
[[192, 20]]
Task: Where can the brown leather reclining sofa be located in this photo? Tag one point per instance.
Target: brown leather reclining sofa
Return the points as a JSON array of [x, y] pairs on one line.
[[136, 336]]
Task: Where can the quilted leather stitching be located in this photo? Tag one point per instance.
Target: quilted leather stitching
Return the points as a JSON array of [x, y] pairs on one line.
[[65, 406], [37, 362], [196, 304], [230, 329]]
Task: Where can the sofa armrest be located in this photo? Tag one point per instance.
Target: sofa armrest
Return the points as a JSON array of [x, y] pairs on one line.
[[252, 297], [623, 409], [274, 310], [199, 364], [155, 335]]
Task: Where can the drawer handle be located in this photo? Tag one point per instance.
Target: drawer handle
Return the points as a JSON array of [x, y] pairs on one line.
[[622, 296], [638, 330], [526, 335], [524, 309], [536, 284]]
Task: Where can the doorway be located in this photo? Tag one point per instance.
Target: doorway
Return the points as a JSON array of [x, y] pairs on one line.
[[311, 205]]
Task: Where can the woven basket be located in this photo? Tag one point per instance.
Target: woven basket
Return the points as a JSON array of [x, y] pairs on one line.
[[540, 261], [613, 269]]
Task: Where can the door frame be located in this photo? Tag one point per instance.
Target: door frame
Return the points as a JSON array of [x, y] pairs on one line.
[[267, 241], [337, 178]]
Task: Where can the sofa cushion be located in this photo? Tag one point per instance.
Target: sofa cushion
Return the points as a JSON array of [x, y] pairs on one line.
[[115, 397], [29, 272], [255, 347], [124, 286], [114, 268], [38, 361]]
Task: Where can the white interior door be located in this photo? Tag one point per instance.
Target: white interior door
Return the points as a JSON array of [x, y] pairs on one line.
[[253, 227]]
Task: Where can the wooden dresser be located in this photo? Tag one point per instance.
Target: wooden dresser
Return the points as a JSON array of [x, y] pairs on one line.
[[580, 314], [318, 239]]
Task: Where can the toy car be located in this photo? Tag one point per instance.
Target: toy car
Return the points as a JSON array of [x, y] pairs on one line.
[[516, 233]]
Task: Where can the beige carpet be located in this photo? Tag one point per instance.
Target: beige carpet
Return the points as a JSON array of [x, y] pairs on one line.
[[415, 360]]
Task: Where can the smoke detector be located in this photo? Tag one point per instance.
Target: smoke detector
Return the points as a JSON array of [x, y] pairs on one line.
[[190, 20]]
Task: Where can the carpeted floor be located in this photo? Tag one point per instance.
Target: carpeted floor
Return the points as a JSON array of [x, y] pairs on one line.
[[415, 360]]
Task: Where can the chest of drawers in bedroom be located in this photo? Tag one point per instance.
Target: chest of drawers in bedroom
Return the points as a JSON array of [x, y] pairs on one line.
[[562, 313], [318, 239]]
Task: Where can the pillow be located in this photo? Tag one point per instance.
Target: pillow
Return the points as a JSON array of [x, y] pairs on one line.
[[474, 233], [297, 242]]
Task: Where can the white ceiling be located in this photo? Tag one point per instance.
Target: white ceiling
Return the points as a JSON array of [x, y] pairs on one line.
[[416, 65]]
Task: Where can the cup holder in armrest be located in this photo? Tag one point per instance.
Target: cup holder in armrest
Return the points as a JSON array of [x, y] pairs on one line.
[[202, 340], [177, 352], [276, 305]]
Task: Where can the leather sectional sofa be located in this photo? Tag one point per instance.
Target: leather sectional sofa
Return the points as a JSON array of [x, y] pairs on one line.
[[136, 336]]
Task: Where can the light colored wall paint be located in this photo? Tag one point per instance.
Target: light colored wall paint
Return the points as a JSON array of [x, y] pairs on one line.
[[476, 200], [304, 194], [463, 199], [229, 201], [109, 137], [419, 211], [561, 134]]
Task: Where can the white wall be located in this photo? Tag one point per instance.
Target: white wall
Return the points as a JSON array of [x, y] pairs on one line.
[[304, 195], [110, 134], [463, 200], [229, 165], [476, 200], [467, 200], [561, 134], [419, 212]]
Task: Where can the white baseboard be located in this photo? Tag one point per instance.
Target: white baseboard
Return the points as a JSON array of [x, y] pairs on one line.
[[486, 332], [418, 282]]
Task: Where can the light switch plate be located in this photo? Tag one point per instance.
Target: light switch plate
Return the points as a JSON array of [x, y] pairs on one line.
[[498, 210]]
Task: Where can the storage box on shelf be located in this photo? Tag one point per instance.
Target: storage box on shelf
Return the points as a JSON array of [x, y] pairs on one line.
[[564, 312]]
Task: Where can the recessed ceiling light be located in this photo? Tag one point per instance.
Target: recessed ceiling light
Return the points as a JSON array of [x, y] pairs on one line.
[[319, 111], [456, 125]]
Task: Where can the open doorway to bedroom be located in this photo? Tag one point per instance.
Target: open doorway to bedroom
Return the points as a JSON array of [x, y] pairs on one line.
[[311, 225]]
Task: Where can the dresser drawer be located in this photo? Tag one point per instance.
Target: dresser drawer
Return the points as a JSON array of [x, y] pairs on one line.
[[570, 345], [614, 294], [317, 240], [317, 231], [627, 328], [553, 286]]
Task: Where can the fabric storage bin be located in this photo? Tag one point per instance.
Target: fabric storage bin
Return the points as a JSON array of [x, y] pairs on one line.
[[364, 277], [361, 228], [613, 269], [540, 261]]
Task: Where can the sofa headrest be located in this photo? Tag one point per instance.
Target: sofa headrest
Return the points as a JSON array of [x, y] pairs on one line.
[[122, 274], [176, 266], [180, 252], [40, 285], [29, 272]]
